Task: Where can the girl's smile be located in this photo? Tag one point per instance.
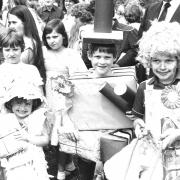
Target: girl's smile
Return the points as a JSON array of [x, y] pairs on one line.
[[22, 108]]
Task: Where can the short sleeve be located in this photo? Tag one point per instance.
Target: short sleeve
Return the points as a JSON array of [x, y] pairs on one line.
[[37, 121], [138, 106], [76, 63]]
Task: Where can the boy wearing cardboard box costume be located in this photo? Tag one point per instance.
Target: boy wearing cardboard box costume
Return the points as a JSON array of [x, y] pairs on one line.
[[92, 115]]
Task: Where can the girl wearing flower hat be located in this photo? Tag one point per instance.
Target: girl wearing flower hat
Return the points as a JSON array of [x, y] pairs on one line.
[[23, 132]]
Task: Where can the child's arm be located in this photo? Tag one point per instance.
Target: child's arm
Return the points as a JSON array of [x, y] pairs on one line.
[[138, 111], [139, 126], [169, 137], [39, 140]]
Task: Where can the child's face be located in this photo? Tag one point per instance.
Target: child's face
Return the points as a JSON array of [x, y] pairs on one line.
[[22, 107], [16, 23], [68, 4], [164, 67], [102, 63], [54, 40], [12, 54], [48, 2]]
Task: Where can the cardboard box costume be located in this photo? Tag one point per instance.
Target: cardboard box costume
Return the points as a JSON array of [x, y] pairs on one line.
[[92, 112]]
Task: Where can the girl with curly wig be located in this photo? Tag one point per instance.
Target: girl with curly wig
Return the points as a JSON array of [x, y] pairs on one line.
[[154, 154]]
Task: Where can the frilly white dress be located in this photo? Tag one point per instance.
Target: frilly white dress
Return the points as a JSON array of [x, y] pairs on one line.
[[57, 64], [27, 72], [60, 63], [29, 164]]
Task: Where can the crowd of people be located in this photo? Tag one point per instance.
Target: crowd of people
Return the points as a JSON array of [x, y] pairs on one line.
[[49, 79]]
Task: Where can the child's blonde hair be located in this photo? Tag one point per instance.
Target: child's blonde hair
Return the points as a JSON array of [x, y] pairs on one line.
[[162, 38]]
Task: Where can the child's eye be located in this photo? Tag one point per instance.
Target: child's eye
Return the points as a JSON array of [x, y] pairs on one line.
[[97, 57], [107, 58], [170, 61], [156, 61], [15, 49], [54, 37], [6, 49]]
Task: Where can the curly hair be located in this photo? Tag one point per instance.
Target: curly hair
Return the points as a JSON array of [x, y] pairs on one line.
[[161, 39], [85, 17], [133, 13], [80, 11]]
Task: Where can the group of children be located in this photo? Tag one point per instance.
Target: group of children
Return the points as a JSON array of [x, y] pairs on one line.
[[24, 108]]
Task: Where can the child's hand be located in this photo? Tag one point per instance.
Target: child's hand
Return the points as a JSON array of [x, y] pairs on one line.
[[21, 135], [140, 129], [70, 133], [71, 136], [169, 137]]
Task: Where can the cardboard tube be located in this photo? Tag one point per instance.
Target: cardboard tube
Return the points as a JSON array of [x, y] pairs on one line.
[[108, 92], [103, 16], [126, 93]]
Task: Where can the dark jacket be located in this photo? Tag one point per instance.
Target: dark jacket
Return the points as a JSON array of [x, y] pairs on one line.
[[152, 13], [46, 15]]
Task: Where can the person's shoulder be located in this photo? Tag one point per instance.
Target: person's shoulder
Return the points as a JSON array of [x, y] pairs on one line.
[[41, 9], [44, 48], [57, 8], [28, 68], [142, 85], [70, 51], [154, 4]]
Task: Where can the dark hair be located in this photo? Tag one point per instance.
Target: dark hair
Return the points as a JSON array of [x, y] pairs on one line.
[[1, 4], [36, 103], [91, 7], [63, 4], [133, 13], [20, 2], [30, 30], [13, 39], [80, 11], [58, 26], [107, 48]]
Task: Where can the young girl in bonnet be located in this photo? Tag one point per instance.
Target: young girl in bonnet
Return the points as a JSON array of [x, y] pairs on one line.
[[23, 132]]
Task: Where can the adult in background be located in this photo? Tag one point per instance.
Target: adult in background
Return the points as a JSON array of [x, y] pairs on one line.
[[82, 18], [49, 11], [67, 4], [154, 11], [133, 15], [20, 19], [39, 23]]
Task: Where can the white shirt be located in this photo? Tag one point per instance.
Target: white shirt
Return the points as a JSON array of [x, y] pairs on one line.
[[171, 9]]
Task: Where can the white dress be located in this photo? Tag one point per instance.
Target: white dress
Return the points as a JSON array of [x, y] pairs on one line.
[[29, 164], [60, 64], [63, 63]]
